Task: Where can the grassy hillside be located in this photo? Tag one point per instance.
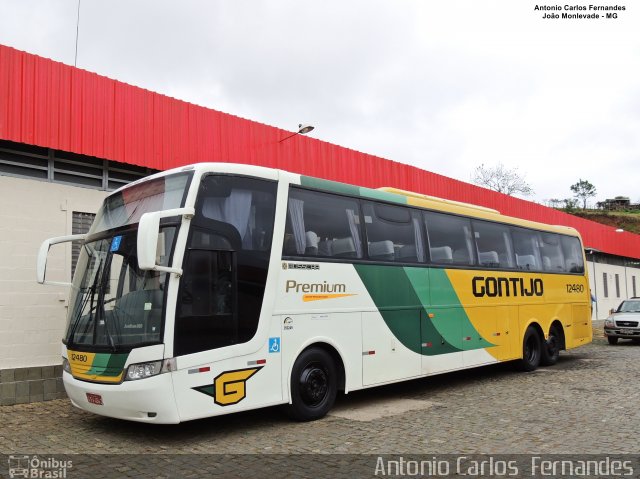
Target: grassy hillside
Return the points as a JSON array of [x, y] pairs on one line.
[[627, 220]]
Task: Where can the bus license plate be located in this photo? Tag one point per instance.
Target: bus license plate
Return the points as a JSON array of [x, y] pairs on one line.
[[95, 399], [627, 331]]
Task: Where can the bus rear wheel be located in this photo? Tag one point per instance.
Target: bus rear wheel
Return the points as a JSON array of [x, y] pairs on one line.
[[531, 350], [313, 385], [551, 348]]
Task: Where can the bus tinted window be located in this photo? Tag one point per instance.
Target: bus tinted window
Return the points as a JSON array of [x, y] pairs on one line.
[[393, 233], [226, 263], [551, 252], [322, 224], [525, 247], [572, 254], [450, 239], [243, 207], [494, 245]]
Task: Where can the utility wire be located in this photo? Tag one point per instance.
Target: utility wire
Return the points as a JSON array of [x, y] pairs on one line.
[[75, 59]]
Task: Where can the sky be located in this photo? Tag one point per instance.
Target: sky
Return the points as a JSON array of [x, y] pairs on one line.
[[445, 86]]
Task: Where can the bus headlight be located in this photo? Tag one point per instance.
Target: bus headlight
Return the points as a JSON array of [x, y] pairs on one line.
[[143, 370], [152, 368], [65, 365]]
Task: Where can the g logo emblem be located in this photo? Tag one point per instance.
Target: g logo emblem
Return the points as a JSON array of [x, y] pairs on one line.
[[229, 387]]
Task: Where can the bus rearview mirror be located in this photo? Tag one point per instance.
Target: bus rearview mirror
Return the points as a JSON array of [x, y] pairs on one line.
[[41, 262], [149, 235]]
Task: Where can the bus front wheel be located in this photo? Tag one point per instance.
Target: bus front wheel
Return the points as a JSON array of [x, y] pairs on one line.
[[531, 350], [313, 385]]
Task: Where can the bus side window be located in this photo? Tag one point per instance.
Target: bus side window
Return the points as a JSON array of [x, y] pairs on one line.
[[572, 254], [394, 233], [525, 246], [450, 240], [551, 252], [321, 225], [493, 243]]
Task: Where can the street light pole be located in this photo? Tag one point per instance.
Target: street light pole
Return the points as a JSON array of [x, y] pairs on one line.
[[302, 130]]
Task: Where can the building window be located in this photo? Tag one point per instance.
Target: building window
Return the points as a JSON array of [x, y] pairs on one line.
[[617, 286], [55, 166], [80, 224], [633, 285], [606, 286]]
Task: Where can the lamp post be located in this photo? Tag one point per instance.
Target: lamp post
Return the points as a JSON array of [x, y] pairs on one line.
[[302, 130]]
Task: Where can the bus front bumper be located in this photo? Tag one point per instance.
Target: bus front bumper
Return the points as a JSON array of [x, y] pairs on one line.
[[145, 400]]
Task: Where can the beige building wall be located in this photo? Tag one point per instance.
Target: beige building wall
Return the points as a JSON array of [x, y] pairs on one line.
[[610, 297], [32, 316]]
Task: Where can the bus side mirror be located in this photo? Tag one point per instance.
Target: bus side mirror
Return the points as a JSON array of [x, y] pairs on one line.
[[147, 243], [41, 264]]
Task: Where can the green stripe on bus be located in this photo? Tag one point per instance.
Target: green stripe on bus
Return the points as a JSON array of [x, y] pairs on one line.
[[207, 389], [455, 325], [346, 189], [402, 308], [383, 196], [333, 186], [105, 364]]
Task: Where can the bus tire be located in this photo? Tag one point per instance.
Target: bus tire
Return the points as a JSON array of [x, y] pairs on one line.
[[551, 347], [314, 385], [531, 350]]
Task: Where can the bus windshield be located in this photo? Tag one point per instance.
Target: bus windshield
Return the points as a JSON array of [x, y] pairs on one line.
[[128, 205], [113, 303]]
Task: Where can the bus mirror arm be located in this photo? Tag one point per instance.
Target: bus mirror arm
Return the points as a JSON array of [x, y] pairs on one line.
[[41, 264], [147, 245]]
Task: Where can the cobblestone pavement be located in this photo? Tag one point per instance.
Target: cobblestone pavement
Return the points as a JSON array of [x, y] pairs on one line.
[[586, 404]]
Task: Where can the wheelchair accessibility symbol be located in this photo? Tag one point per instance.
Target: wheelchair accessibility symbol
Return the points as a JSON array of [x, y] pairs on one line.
[[274, 345]]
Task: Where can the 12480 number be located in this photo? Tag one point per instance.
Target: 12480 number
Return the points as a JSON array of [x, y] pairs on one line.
[[575, 288]]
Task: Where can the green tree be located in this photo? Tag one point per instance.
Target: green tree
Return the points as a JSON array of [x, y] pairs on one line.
[[570, 204], [583, 190]]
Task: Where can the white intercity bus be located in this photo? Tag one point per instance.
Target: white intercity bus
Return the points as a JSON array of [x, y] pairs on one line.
[[216, 288]]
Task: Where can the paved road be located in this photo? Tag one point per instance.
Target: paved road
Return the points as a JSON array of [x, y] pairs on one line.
[[586, 404]]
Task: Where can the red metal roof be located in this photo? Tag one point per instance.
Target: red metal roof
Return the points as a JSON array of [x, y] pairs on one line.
[[53, 105]]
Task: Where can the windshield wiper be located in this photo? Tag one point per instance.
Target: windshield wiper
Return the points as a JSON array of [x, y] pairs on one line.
[[101, 314], [90, 294]]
